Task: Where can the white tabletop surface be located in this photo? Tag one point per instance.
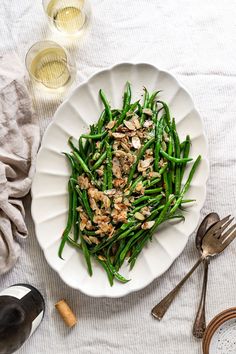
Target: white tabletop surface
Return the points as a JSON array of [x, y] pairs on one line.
[[196, 41]]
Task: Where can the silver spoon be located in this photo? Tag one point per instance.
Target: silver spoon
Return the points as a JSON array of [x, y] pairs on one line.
[[214, 242], [199, 326]]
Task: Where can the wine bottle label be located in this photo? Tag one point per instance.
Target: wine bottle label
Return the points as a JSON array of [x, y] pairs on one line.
[[17, 291], [36, 322]]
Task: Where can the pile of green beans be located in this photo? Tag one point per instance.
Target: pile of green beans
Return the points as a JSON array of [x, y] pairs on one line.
[[163, 194]]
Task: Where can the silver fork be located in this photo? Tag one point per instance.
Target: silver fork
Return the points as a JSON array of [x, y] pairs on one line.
[[214, 242]]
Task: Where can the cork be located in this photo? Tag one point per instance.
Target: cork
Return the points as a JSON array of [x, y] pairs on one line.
[[66, 313]]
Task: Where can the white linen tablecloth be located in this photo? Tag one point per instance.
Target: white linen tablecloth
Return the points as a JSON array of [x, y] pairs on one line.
[[196, 41]]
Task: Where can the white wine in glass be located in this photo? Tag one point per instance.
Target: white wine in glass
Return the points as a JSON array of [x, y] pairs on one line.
[[67, 16], [49, 64]]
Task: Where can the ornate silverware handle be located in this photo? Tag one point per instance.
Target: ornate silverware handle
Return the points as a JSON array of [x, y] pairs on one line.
[[199, 326], [160, 309]]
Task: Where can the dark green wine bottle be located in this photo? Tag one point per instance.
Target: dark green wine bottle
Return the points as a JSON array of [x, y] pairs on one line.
[[22, 309]]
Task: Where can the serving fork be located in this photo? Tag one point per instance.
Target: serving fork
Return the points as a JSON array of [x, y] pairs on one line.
[[214, 242]]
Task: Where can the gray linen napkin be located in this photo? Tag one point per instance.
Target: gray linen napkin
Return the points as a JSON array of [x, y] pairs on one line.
[[19, 142]]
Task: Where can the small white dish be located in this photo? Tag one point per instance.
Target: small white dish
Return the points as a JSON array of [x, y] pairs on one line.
[[49, 189]]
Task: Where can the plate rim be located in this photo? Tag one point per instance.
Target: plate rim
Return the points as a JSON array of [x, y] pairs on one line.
[[203, 134]]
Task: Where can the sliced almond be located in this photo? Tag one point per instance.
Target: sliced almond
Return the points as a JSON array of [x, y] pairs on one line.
[[139, 186], [86, 238], [101, 258], [125, 147], [118, 135], [147, 123], [139, 216], [129, 124], [136, 142], [147, 111], [120, 153], [94, 239], [136, 122], [147, 225], [111, 124], [154, 174], [110, 192]]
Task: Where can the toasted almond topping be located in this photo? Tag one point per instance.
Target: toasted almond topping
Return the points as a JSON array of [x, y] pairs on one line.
[[139, 186], [135, 119], [120, 153], [86, 238], [139, 216], [101, 258], [162, 163], [136, 142], [111, 124], [129, 124], [119, 182], [144, 164], [118, 135], [147, 111], [147, 123], [147, 225], [126, 202], [93, 204], [145, 211], [94, 239], [101, 219], [125, 147], [110, 192], [118, 200], [83, 182], [116, 170], [154, 174], [89, 225], [166, 137]]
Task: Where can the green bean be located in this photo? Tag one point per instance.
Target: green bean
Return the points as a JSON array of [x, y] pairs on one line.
[[140, 154], [174, 159], [109, 166], [167, 113], [134, 184], [140, 200], [101, 122], [94, 136], [184, 201], [104, 183], [166, 184], [99, 161], [145, 105], [185, 155], [87, 205], [152, 98], [75, 216], [107, 270], [177, 155], [158, 135], [89, 232], [72, 145], [86, 256], [153, 191], [152, 182], [134, 106], [73, 243], [117, 275], [186, 186], [81, 162], [66, 232], [81, 148], [106, 104], [125, 108]]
